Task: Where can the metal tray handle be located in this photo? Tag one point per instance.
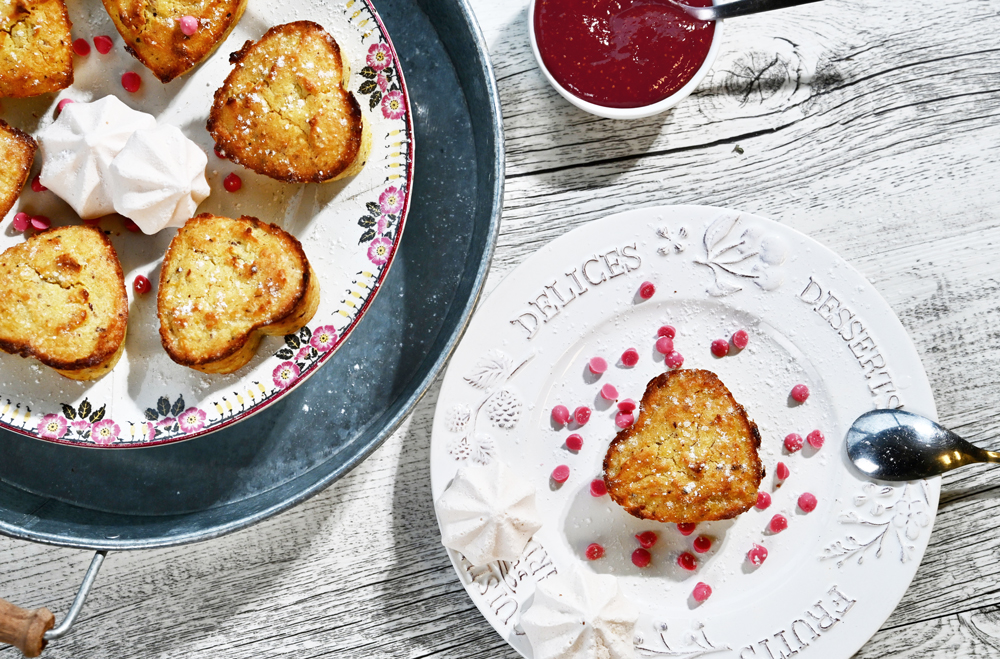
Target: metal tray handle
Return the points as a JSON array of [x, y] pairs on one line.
[[30, 631]]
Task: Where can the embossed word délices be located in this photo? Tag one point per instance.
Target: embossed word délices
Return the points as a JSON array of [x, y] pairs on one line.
[[853, 331], [500, 584], [558, 293], [801, 632]]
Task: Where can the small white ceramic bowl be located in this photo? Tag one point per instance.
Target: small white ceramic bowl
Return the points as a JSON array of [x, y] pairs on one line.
[[627, 113]]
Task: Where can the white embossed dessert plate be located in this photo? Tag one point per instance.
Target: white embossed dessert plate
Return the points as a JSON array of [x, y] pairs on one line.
[[350, 231], [835, 574]]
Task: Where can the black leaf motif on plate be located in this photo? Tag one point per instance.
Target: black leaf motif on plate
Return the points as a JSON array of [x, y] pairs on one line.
[[373, 208], [151, 414], [163, 406], [374, 100], [85, 409], [305, 334], [69, 412], [292, 340], [284, 353], [178, 406], [367, 236], [98, 415], [368, 72], [367, 87], [367, 221]]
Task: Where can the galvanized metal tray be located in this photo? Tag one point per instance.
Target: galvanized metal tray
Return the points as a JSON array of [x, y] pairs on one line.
[[212, 485]]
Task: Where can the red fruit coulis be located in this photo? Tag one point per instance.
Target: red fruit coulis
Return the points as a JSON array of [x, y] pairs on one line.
[[621, 53]]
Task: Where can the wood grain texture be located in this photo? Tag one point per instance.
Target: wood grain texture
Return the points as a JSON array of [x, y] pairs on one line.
[[872, 127]]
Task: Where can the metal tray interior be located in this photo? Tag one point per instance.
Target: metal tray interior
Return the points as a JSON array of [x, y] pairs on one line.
[[209, 486]]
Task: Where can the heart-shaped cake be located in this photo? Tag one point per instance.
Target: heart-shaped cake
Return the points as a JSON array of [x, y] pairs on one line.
[[63, 301], [224, 284], [690, 456], [17, 152], [285, 111], [36, 47], [170, 37]]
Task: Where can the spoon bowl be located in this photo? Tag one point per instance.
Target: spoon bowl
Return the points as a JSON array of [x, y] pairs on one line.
[[893, 445]]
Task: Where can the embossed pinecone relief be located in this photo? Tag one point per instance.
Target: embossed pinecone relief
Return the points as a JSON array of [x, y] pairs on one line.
[[479, 450], [504, 409], [458, 417]]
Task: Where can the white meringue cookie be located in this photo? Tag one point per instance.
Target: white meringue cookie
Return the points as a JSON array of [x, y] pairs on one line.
[[488, 513], [158, 179], [580, 616], [77, 150]]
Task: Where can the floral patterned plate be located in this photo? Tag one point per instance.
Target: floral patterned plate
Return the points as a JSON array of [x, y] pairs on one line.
[[836, 572], [350, 231]]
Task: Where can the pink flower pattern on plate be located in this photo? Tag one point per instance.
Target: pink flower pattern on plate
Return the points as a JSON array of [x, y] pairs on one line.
[[383, 225], [378, 251], [52, 426], [81, 426], [379, 56], [382, 81], [391, 200], [392, 105], [285, 374], [105, 432], [192, 419], [324, 338]]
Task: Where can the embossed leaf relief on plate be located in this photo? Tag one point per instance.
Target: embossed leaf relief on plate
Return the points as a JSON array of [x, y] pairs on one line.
[[694, 644], [895, 516], [736, 250], [502, 405]]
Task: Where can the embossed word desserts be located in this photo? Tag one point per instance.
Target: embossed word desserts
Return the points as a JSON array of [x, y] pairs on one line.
[[63, 301], [17, 152], [170, 37], [36, 51], [488, 513], [224, 284], [690, 456], [284, 111], [584, 615]]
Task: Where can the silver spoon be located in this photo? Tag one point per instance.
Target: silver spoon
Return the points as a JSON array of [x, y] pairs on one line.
[[737, 8], [893, 445]]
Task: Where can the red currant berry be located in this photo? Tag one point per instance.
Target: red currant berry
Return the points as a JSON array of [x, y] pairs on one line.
[[815, 439], [667, 331], [641, 558], [608, 392], [688, 561], [757, 555], [598, 365], [21, 222], [582, 414], [664, 345], [131, 81], [40, 222], [232, 183], [62, 105], [741, 339], [807, 502], [141, 285], [560, 474], [131, 226], [702, 591], [674, 359], [686, 528], [720, 347], [778, 524], [646, 539], [219, 153], [627, 406], [647, 290], [598, 488], [36, 184], [594, 551], [800, 393], [103, 44], [623, 420], [763, 500], [560, 414], [702, 544], [81, 47], [630, 357], [781, 471], [793, 442], [574, 442]]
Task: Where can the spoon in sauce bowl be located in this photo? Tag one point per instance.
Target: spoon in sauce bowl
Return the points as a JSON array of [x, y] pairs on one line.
[[737, 8]]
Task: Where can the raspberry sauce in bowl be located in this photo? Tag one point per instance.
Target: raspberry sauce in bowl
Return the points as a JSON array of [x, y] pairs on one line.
[[622, 59]]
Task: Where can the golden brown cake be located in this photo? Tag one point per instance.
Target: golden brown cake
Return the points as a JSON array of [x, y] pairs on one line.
[[285, 111], [36, 49], [63, 301], [17, 152], [690, 456], [152, 31], [224, 284]]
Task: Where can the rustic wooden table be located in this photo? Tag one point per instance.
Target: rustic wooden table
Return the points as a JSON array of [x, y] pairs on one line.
[[872, 127]]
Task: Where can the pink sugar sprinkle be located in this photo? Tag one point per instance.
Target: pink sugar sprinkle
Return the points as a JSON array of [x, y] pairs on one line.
[[674, 359], [763, 500], [793, 442], [103, 44], [40, 222], [807, 502], [582, 414], [81, 47], [781, 471], [778, 524], [702, 591], [598, 488], [647, 290], [623, 420], [608, 392], [36, 184], [189, 25], [627, 406], [641, 558], [22, 221], [720, 347], [647, 539], [800, 393], [664, 345], [560, 414], [741, 339], [667, 331], [560, 474], [630, 357], [702, 544], [594, 551], [686, 528], [131, 81], [688, 561], [815, 439], [757, 555], [598, 365], [574, 442]]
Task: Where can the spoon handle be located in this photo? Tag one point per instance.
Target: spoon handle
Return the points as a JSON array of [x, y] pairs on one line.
[[744, 7]]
